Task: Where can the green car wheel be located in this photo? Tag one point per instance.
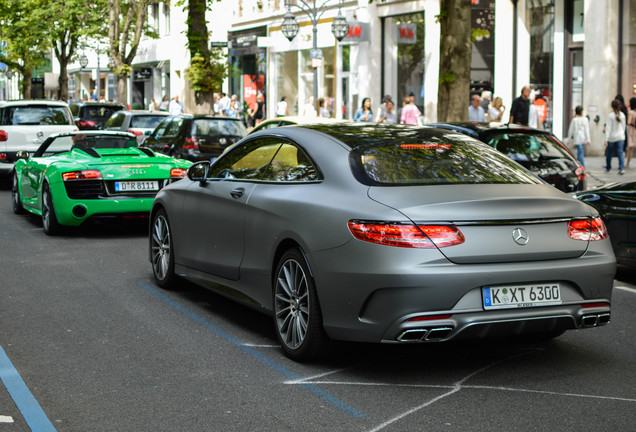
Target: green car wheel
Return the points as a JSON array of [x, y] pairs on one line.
[[49, 220], [15, 196]]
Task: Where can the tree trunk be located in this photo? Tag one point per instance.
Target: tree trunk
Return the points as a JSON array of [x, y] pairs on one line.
[[455, 59], [198, 43], [63, 82], [26, 83], [122, 88]]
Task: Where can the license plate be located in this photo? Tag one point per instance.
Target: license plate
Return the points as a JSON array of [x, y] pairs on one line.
[[136, 186], [521, 296]]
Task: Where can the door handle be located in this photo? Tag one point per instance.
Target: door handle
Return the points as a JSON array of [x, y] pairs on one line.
[[237, 193]]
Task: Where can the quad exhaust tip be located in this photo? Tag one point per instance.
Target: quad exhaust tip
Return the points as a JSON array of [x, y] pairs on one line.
[[425, 334], [595, 320]]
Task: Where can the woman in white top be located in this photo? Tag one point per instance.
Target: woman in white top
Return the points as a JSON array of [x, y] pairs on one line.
[[615, 137], [496, 110], [631, 131], [309, 110], [281, 107], [579, 133]]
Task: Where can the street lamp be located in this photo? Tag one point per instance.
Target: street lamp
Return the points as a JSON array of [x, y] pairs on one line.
[[339, 27], [83, 61]]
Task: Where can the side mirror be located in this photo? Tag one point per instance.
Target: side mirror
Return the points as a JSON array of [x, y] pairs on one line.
[[22, 154], [199, 171]]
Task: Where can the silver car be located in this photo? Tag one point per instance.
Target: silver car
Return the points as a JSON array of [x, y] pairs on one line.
[[383, 233], [138, 122]]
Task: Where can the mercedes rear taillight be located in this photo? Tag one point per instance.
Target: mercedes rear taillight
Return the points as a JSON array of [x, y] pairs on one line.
[[407, 235], [86, 123], [587, 229], [82, 175]]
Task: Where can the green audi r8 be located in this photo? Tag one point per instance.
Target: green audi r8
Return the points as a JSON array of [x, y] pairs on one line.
[[77, 176]]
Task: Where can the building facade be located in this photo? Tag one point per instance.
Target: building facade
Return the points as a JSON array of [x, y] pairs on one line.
[[571, 52]]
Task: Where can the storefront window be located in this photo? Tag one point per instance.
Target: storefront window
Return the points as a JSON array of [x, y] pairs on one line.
[[408, 33], [540, 21], [482, 63]]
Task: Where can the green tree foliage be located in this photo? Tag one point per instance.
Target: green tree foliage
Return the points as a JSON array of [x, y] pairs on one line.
[[126, 25], [71, 23], [24, 35], [208, 68]]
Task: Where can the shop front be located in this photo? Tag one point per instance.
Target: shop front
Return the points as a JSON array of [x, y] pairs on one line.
[[248, 63]]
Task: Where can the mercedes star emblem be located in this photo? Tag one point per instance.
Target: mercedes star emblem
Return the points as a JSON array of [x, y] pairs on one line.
[[520, 236]]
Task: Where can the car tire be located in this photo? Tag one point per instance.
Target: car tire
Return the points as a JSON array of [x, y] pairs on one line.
[[297, 314], [49, 220], [15, 195], [162, 250]]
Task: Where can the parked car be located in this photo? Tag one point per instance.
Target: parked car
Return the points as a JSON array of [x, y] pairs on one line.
[[139, 123], [537, 150], [383, 233], [290, 120], [93, 115], [74, 177], [195, 137], [25, 124], [616, 202]]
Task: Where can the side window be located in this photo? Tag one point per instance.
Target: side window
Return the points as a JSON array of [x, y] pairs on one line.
[[291, 164], [173, 128], [161, 129], [247, 162], [116, 120]]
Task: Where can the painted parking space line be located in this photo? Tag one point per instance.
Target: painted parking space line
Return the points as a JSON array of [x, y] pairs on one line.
[[313, 388], [21, 395], [625, 288]]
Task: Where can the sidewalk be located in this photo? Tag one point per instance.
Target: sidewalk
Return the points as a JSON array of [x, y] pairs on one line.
[[596, 175]]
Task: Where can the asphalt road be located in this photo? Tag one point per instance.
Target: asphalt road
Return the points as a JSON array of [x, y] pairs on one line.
[[89, 343]]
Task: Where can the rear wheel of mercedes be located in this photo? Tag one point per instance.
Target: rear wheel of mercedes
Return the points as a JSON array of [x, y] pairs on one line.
[[297, 314]]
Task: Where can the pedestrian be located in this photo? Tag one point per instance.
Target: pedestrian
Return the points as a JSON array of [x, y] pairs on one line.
[[364, 113], [165, 103], [534, 119], [175, 107], [234, 109], [387, 111], [410, 112], [631, 131], [153, 105], [223, 103], [475, 111], [281, 107], [309, 110], [322, 111], [520, 109], [496, 110], [259, 112], [615, 137], [579, 133]]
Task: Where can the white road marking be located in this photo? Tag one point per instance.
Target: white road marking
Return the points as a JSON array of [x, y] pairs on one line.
[[624, 288], [6, 419], [259, 345]]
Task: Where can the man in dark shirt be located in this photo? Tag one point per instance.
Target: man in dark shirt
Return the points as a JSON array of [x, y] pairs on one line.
[[521, 107]]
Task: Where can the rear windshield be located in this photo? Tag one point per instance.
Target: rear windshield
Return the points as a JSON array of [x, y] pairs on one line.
[[146, 121], [527, 147], [433, 163], [100, 112], [217, 128], [35, 115]]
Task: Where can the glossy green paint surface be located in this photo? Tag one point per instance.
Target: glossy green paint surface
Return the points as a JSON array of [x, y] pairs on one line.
[[114, 165]]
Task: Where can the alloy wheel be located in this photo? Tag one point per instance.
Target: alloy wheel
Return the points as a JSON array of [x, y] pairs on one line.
[[292, 306], [160, 247]]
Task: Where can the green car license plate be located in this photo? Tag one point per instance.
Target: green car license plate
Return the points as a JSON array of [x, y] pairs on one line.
[[521, 296], [136, 186]]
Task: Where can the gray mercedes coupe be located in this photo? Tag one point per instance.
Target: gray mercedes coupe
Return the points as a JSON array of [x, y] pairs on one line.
[[383, 233]]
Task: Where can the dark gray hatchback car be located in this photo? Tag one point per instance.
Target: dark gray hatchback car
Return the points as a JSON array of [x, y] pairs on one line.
[[383, 233]]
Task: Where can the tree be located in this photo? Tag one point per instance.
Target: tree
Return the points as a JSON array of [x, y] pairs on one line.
[[455, 59], [73, 20], [207, 69], [25, 38], [127, 24]]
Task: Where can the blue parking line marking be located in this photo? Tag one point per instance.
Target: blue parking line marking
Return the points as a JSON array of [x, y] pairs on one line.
[[25, 401], [322, 394]]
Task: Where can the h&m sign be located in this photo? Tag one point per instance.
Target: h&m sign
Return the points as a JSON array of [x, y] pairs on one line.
[[358, 32], [407, 33]]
